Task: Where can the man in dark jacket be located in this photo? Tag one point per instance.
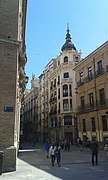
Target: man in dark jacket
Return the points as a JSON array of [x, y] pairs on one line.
[[94, 150]]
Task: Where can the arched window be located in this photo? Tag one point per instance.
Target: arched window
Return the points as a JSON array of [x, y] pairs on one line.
[[65, 59], [65, 90]]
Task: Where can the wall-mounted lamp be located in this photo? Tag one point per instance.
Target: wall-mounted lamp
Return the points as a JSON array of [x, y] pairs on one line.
[[26, 79]]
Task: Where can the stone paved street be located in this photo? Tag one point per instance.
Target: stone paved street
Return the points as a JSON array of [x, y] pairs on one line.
[[33, 165]]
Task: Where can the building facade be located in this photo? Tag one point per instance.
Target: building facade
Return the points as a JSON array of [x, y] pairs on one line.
[[62, 104], [92, 95], [29, 113], [12, 76], [57, 98]]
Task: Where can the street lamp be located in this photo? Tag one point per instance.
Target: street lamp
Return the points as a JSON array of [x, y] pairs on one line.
[[26, 79]]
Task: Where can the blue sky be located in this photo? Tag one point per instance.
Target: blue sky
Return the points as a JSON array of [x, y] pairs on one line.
[[46, 29]]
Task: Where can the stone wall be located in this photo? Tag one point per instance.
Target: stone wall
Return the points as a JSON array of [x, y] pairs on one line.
[[9, 16]]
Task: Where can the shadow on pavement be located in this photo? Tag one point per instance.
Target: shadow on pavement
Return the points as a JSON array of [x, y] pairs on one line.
[[35, 156]]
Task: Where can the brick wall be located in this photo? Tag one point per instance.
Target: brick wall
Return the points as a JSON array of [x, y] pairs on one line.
[[9, 18], [8, 79], [8, 70]]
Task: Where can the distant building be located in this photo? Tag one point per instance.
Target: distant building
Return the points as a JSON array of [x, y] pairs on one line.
[[62, 97], [29, 112], [56, 96]]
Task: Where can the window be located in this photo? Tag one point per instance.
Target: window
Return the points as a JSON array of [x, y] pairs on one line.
[[82, 102], [59, 107], [104, 123], [55, 109], [66, 75], [65, 90], [71, 103], [54, 82], [51, 86], [84, 125], [99, 66], [51, 97], [93, 124], [65, 59], [52, 123], [58, 63], [81, 77], [68, 120], [76, 58], [59, 123], [55, 96], [91, 100], [59, 93], [65, 104], [102, 96], [90, 73], [58, 80], [70, 90]]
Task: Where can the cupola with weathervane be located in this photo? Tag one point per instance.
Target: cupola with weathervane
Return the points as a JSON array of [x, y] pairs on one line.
[[68, 45]]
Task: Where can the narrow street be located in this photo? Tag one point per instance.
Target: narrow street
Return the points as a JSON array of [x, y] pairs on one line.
[[33, 165]]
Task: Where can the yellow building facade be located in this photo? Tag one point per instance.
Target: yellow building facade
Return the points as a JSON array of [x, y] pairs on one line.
[[92, 95]]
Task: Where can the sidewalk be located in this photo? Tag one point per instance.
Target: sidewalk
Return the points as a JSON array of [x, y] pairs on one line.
[[32, 160]]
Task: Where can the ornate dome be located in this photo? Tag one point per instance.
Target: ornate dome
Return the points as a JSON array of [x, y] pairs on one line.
[[68, 45]]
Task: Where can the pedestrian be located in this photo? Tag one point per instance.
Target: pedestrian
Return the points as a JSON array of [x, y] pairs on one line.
[[62, 144], [80, 143], [47, 147], [34, 141], [65, 144], [68, 144], [106, 148], [94, 151], [52, 153], [58, 154]]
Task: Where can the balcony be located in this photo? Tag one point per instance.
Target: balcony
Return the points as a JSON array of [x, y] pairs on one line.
[[66, 63], [65, 109], [92, 107], [99, 72], [89, 78], [66, 80], [79, 83]]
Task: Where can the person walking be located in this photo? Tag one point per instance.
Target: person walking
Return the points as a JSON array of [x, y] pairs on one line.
[[47, 147], [52, 153], [62, 144], [58, 154], [65, 144], [80, 143], [94, 150], [68, 144], [106, 148]]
